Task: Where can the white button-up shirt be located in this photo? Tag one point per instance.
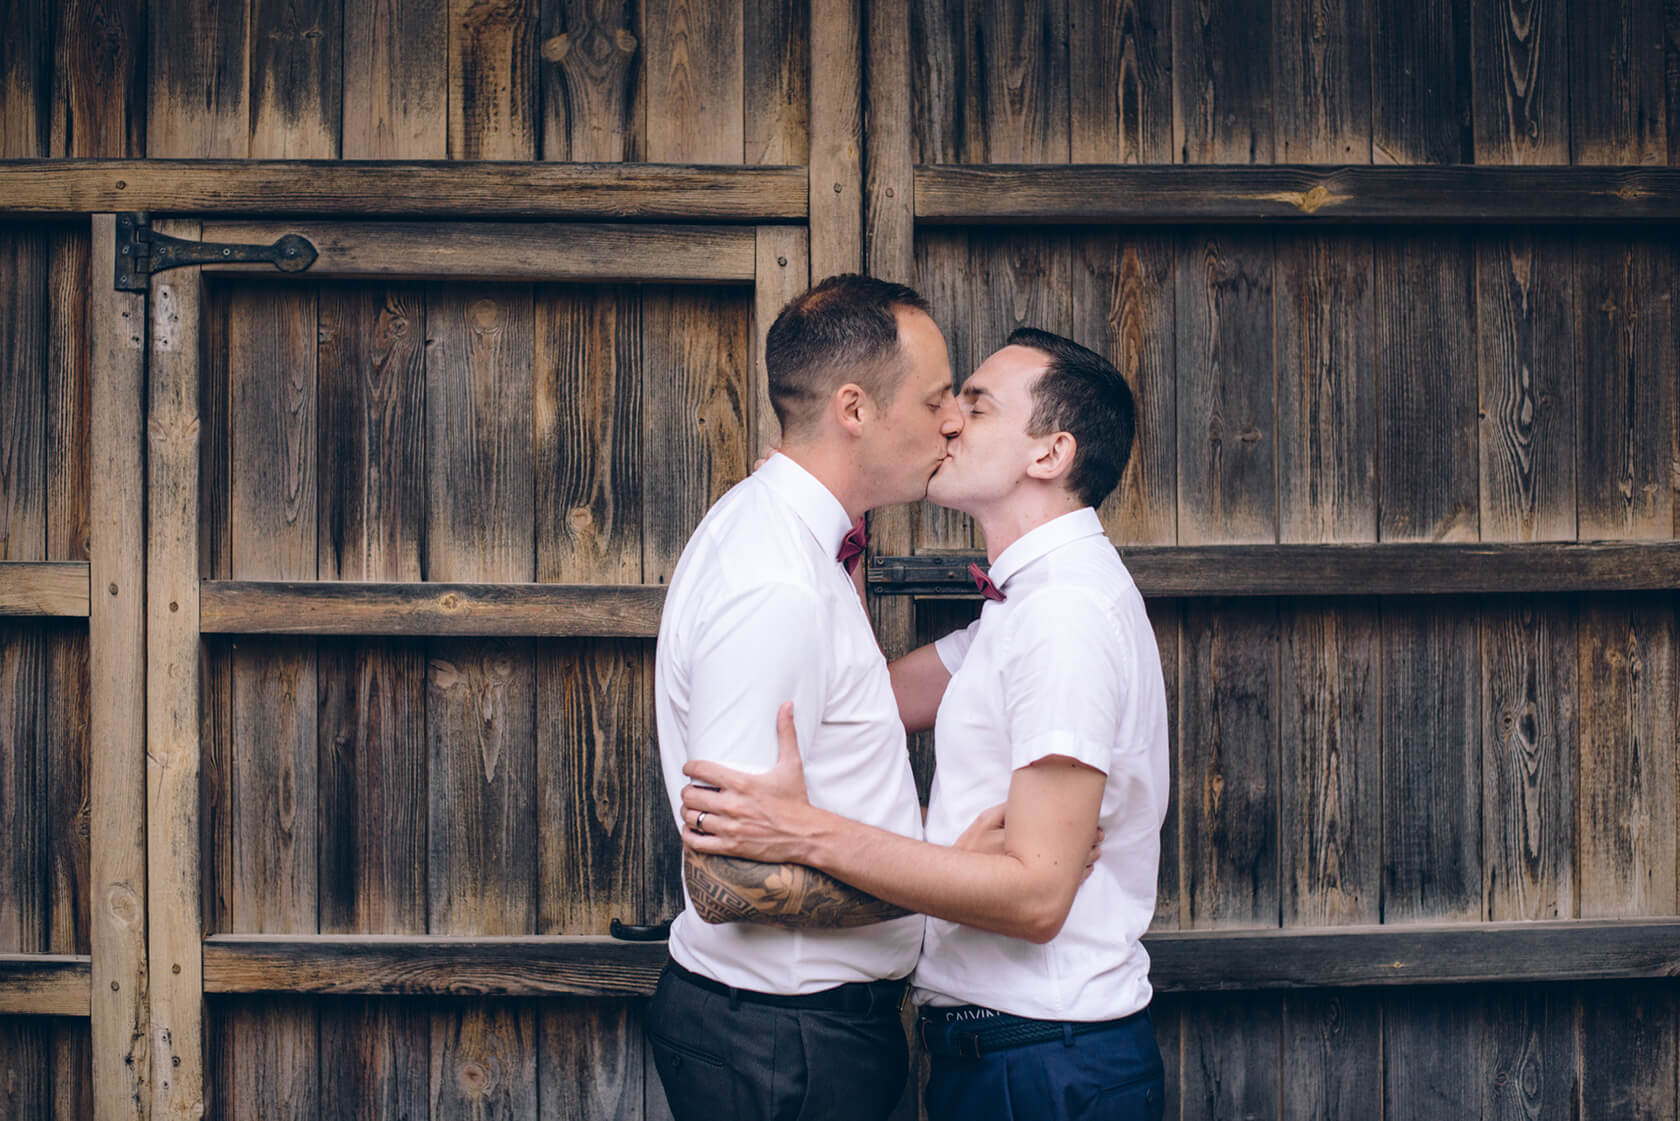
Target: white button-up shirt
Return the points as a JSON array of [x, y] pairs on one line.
[[760, 612], [1065, 665]]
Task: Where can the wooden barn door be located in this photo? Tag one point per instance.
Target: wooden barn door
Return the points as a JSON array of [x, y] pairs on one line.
[[411, 511]]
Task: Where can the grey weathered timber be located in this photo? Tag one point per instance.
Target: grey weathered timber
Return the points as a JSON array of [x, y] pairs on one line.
[[547, 251], [1181, 961], [461, 966], [396, 189], [1341, 570], [1280, 193], [117, 689], [45, 984], [44, 588], [490, 610], [173, 746]]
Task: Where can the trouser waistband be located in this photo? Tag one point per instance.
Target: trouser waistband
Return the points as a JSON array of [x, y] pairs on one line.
[[861, 997], [969, 1031]]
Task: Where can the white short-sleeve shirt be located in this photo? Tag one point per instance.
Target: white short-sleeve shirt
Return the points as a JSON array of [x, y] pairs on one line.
[[1066, 665], [759, 612]]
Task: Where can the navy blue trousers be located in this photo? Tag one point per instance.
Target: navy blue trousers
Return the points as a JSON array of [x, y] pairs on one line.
[[1109, 1075]]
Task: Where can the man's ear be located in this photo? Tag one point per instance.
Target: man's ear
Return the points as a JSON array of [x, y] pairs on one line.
[[1055, 458], [851, 407]]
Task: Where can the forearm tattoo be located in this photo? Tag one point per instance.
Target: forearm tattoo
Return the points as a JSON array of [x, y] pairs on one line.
[[729, 889]]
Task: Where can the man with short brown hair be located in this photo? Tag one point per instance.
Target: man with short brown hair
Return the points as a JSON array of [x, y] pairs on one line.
[[783, 993]]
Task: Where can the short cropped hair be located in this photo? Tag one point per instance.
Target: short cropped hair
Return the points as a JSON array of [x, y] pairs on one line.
[[1081, 393], [843, 330]]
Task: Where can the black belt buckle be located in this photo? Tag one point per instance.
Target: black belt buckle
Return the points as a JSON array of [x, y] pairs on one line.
[[967, 1044]]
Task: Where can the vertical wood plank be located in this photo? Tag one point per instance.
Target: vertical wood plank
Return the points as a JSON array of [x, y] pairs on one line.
[[1120, 81], [945, 279], [588, 64], [695, 412], [1024, 67], [297, 79], [1230, 1064], [1528, 1063], [1228, 787], [481, 740], [492, 80], [1432, 1055], [1617, 104], [396, 87], [1122, 294], [1627, 798], [65, 696], [778, 41], [370, 370], [1529, 744], [1167, 617], [198, 78], [1424, 301], [1432, 781], [1628, 1053], [1222, 82], [26, 86], [946, 86], [271, 341], [1626, 360], [174, 928], [1227, 403], [691, 52], [782, 272], [1321, 70], [1330, 831], [117, 676], [1420, 82], [1432, 1043], [1521, 81], [836, 184], [25, 1044], [1525, 341], [597, 787], [1327, 396], [1331, 1047], [97, 104], [889, 249]]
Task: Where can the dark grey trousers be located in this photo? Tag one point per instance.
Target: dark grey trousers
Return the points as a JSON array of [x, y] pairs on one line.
[[723, 1059]]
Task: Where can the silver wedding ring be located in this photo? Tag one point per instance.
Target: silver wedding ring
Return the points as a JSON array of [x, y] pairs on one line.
[[698, 818]]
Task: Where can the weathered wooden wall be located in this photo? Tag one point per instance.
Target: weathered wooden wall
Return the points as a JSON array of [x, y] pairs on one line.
[[1339, 761]]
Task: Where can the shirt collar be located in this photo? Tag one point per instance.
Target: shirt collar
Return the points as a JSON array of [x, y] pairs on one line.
[[813, 502], [1042, 540]]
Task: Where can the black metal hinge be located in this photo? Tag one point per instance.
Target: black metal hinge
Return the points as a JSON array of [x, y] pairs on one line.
[[141, 252]]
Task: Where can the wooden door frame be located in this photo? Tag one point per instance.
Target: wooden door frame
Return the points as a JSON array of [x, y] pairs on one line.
[[180, 607]]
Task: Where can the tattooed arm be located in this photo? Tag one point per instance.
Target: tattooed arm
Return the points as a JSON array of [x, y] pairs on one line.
[[729, 889]]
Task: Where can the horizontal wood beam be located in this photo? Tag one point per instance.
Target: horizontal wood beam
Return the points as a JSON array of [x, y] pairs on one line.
[[46, 984], [1434, 954], [462, 966], [44, 588], [1181, 961], [1090, 194], [429, 189], [1339, 570], [535, 251], [350, 608]]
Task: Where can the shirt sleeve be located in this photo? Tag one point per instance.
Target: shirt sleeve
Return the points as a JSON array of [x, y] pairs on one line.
[[1063, 680], [953, 648], [766, 646]]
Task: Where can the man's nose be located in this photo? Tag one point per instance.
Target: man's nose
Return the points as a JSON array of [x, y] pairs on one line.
[[952, 423]]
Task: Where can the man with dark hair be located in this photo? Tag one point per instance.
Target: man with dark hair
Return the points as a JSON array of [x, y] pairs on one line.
[[1034, 986], [791, 1006]]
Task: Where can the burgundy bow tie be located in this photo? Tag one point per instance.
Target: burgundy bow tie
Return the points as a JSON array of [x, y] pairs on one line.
[[852, 546], [984, 584]]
